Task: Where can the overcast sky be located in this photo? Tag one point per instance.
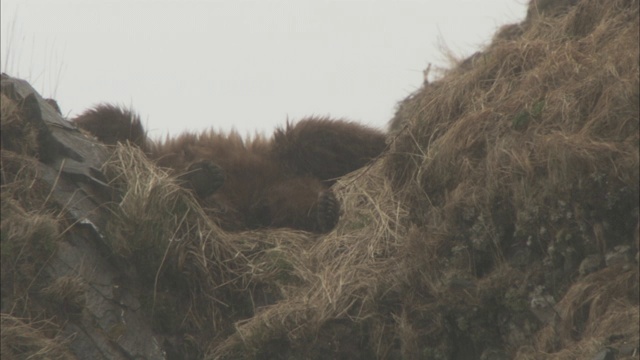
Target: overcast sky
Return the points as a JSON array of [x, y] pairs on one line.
[[248, 65]]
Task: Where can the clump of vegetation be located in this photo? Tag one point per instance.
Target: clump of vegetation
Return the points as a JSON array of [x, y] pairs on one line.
[[17, 134], [524, 161], [22, 338], [29, 231]]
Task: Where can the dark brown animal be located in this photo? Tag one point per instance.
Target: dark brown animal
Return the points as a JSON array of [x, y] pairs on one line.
[[254, 183]]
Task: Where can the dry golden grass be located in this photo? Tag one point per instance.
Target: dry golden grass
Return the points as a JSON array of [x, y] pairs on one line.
[[524, 160], [338, 276], [601, 306], [161, 227], [25, 339], [29, 230], [17, 135]]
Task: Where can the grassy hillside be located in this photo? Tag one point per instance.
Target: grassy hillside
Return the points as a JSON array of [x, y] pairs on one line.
[[501, 223]]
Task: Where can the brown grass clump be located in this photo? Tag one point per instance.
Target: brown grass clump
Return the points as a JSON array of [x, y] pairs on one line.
[[17, 134], [516, 168], [599, 310], [22, 339], [67, 293], [161, 228], [26, 236], [337, 304], [196, 278], [29, 231]]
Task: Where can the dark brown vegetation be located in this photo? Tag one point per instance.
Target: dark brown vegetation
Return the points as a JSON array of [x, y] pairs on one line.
[[502, 223]]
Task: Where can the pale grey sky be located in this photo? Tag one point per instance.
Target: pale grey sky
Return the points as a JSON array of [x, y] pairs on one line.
[[191, 65]]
